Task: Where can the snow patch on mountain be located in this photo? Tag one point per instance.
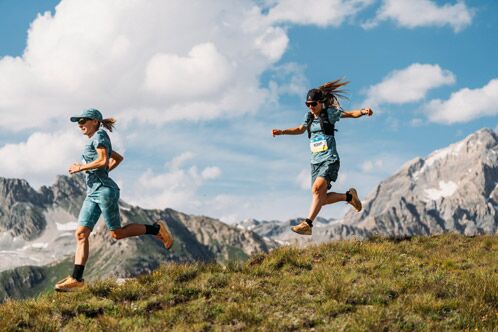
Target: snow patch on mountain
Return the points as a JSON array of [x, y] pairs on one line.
[[439, 155], [446, 189]]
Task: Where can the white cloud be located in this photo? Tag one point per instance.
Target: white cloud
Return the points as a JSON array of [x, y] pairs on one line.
[[44, 155], [370, 165], [318, 12], [179, 160], [139, 59], [187, 77], [210, 173], [407, 85], [146, 60], [424, 13], [293, 81], [272, 43], [41, 156], [177, 187], [464, 105]]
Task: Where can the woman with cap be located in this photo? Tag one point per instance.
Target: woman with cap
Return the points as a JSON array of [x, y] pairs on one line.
[[98, 160], [324, 112]]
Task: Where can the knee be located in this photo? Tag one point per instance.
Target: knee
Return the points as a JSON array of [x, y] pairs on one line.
[[314, 190], [317, 190], [81, 235]]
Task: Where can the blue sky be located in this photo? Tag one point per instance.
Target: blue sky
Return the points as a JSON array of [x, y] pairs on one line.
[[196, 97]]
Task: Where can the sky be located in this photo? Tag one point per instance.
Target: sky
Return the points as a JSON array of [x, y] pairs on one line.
[[197, 86]]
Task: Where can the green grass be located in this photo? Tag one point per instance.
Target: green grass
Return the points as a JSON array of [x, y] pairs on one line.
[[441, 283]]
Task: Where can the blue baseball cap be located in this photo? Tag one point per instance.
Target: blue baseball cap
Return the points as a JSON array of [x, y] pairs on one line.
[[90, 113]]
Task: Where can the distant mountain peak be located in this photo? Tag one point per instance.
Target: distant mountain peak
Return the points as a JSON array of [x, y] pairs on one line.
[[452, 189]]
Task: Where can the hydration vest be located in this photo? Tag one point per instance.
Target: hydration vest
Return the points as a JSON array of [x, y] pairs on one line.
[[327, 127]]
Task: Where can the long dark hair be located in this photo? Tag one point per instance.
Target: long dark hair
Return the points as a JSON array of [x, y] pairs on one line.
[[332, 92]]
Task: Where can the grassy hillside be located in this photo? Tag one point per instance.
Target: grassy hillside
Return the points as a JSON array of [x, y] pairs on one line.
[[439, 283]]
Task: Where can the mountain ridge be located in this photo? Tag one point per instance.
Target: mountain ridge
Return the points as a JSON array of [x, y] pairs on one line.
[[454, 189], [36, 228]]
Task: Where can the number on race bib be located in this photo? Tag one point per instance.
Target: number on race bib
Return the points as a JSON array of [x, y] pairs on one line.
[[318, 145]]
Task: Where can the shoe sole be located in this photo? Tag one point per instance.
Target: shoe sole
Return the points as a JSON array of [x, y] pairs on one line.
[[69, 290], [165, 235], [297, 232]]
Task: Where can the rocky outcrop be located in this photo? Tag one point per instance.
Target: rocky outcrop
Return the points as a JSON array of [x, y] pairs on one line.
[[67, 193], [21, 209]]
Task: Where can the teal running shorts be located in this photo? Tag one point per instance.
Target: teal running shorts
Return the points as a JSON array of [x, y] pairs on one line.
[[327, 169], [103, 200]]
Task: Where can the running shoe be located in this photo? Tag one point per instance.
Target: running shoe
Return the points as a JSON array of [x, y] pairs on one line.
[[164, 234], [303, 228], [355, 201], [69, 284]]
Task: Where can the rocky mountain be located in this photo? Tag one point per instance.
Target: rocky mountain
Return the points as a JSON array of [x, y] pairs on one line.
[[21, 209], [36, 228], [454, 189]]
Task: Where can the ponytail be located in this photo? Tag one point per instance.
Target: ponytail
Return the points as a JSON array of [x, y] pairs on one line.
[[332, 92], [109, 123]]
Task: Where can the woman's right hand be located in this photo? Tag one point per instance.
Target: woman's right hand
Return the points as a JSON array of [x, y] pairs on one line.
[[276, 132], [75, 168]]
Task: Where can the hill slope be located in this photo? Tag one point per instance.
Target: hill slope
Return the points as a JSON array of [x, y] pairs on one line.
[[424, 283]]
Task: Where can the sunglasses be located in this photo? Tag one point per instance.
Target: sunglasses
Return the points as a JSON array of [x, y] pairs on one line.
[[82, 121], [313, 103]]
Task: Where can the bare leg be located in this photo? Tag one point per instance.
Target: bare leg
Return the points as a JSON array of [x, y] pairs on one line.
[[332, 198], [82, 233], [321, 197], [319, 193], [128, 231]]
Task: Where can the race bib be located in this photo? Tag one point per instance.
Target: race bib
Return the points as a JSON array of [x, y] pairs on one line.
[[318, 144]]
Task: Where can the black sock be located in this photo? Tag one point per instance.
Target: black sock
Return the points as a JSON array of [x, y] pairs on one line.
[[78, 272], [309, 222], [152, 229], [349, 197]]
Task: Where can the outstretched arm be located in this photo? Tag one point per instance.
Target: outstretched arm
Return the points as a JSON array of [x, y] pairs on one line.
[[357, 113], [291, 131], [101, 161]]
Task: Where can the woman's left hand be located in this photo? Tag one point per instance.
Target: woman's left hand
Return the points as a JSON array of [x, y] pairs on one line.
[[367, 111], [75, 168]]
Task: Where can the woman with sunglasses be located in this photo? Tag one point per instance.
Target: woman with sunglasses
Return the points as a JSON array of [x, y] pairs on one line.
[[98, 160], [324, 112]]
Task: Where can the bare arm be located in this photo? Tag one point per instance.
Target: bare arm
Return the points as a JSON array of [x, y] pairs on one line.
[[101, 161], [291, 131], [357, 113], [115, 160]]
